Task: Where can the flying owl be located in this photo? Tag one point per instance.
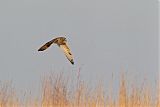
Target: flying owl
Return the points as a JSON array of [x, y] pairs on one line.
[[62, 43]]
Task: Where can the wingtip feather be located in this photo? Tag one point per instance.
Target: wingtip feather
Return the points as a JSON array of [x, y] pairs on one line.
[[72, 62], [40, 49]]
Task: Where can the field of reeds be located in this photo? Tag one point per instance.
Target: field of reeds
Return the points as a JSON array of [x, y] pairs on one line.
[[59, 91]]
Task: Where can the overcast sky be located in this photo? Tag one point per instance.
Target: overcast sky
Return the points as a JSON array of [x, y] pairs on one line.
[[105, 36]]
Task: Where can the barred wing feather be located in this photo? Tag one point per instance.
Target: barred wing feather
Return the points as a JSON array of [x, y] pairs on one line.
[[67, 52]]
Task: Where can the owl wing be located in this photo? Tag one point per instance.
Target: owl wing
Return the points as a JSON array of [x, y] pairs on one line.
[[46, 45], [67, 52]]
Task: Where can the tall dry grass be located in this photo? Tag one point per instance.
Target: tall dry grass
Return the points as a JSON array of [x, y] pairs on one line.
[[61, 91], [57, 92], [8, 96]]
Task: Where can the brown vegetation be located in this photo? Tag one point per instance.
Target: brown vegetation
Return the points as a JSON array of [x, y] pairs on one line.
[[58, 91]]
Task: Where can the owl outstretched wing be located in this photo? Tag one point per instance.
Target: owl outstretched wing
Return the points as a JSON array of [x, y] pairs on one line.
[[46, 45], [67, 52]]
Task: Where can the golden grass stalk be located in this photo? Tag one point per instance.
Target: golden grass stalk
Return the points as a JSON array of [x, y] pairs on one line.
[[59, 91], [7, 95]]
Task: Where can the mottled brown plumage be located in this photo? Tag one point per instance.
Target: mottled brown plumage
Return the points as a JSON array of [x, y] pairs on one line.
[[62, 43]]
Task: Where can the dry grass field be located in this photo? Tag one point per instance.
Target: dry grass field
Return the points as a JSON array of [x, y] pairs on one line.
[[58, 91]]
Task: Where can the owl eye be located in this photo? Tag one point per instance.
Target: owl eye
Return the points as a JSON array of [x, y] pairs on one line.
[[70, 53]]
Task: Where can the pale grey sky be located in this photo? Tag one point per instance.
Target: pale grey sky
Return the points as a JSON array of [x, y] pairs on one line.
[[105, 36]]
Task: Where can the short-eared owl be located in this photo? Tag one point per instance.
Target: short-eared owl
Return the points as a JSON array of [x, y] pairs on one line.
[[62, 43]]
